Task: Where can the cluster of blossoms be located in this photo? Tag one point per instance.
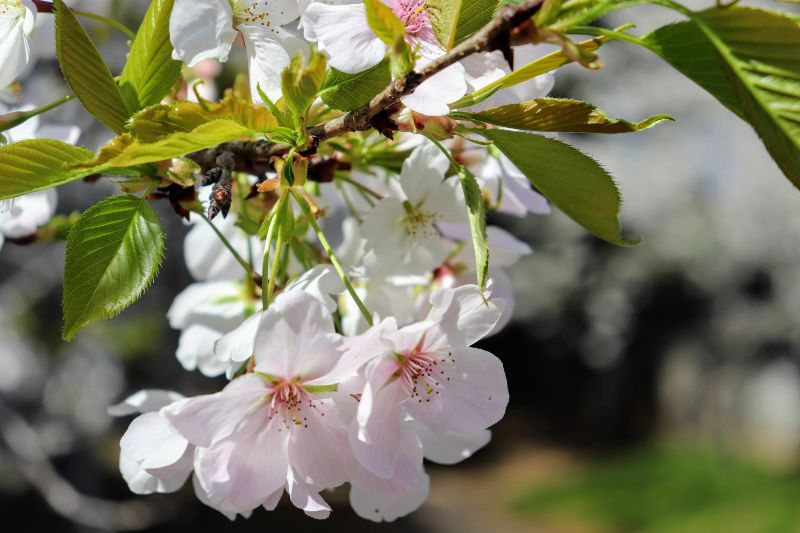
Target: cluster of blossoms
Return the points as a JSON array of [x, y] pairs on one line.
[[356, 372]]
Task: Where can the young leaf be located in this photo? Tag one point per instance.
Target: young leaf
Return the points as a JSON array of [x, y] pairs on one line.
[[384, 22], [36, 164], [113, 254], [150, 71], [477, 223], [347, 92], [572, 181], [560, 115], [125, 151], [301, 83], [749, 60], [541, 66], [85, 71], [456, 20]]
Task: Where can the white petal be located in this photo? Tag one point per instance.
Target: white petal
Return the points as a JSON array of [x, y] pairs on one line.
[[144, 401], [152, 443], [463, 314], [14, 48], [448, 447], [28, 212], [375, 437], [422, 173], [318, 448], [214, 501], [434, 94], [266, 59], [208, 259], [296, 338], [306, 498], [201, 29], [214, 303], [236, 347], [196, 350], [474, 398], [247, 467], [320, 282], [203, 420], [360, 350], [343, 32]]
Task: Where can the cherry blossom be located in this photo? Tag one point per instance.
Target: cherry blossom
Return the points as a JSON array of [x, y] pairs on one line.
[[432, 375], [279, 427]]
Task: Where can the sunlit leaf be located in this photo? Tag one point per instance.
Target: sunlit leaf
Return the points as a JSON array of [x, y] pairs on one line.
[[36, 164], [347, 92]]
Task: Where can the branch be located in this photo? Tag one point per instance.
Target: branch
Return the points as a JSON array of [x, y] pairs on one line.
[[494, 36]]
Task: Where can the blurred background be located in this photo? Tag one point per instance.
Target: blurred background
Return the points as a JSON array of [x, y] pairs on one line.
[[655, 388]]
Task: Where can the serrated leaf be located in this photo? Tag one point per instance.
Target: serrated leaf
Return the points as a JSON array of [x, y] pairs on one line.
[[571, 180], [85, 71], [126, 151], [749, 59], [36, 164], [456, 20], [476, 213], [559, 115], [150, 71], [543, 65], [113, 254], [347, 92]]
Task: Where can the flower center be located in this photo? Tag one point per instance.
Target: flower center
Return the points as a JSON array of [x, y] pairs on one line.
[[249, 12], [419, 223], [11, 9], [413, 15], [421, 373], [289, 401]]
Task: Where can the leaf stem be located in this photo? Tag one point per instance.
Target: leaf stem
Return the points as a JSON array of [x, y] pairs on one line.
[[20, 117], [274, 215], [105, 20], [329, 251], [239, 259]]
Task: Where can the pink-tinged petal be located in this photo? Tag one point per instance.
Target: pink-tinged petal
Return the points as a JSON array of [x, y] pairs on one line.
[[247, 467], [296, 338], [306, 498], [379, 499], [343, 33], [217, 502], [448, 447], [463, 314], [473, 398], [358, 351], [236, 347], [274, 499], [144, 401], [433, 95], [203, 420], [375, 435], [318, 448], [156, 480], [322, 282], [152, 442], [201, 29]]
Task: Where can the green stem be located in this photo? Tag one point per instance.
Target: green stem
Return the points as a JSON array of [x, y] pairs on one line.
[[265, 269], [329, 251], [21, 117], [611, 34], [239, 259], [105, 20]]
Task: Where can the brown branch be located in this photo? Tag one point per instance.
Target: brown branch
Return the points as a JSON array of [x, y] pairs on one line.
[[493, 36]]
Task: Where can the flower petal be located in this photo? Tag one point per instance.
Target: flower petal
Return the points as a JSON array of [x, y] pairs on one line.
[[343, 32], [306, 498], [144, 401], [434, 94], [448, 447], [463, 314], [318, 449], [201, 29]]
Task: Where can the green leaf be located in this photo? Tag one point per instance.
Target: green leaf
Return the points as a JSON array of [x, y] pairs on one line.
[[347, 92], [382, 20], [126, 151], [301, 83], [36, 164], [560, 115], [749, 59], [571, 180], [477, 222], [113, 254], [456, 20], [541, 66], [85, 71], [150, 71]]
